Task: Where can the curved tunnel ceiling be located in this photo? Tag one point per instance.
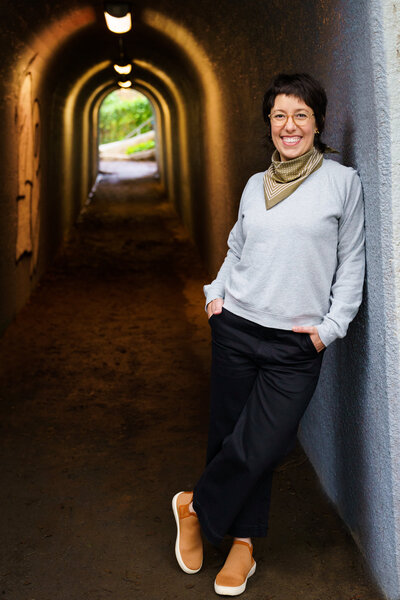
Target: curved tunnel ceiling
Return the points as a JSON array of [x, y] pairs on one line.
[[170, 64], [92, 45], [177, 53]]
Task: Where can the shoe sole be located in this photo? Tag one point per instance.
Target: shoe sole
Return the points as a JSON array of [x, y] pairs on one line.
[[224, 590], [177, 551]]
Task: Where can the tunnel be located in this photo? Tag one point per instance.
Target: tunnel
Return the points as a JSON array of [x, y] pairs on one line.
[[205, 66]]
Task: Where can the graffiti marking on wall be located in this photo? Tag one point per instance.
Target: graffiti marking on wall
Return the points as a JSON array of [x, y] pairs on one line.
[[28, 126]]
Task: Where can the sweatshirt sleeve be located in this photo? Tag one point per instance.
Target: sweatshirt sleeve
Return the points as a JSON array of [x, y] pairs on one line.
[[216, 289], [347, 286]]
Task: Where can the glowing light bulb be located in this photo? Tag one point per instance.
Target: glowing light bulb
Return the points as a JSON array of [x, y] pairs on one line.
[[123, 69], [118, 16], [125, 84]]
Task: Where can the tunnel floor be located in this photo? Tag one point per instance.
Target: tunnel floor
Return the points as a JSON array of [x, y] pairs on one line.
[[104, 393]]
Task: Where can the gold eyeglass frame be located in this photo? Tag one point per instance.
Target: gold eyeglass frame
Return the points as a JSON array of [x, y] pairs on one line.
[[282, 124]]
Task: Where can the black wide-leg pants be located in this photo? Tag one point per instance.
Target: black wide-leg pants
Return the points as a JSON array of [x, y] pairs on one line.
[[262, 380]]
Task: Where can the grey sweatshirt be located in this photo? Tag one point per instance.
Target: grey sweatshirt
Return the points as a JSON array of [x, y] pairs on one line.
[[302, 262]]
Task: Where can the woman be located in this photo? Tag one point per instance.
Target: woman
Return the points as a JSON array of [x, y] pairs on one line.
[[289, 286]]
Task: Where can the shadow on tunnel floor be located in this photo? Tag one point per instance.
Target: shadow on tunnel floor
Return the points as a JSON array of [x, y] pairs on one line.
[[104, 394]]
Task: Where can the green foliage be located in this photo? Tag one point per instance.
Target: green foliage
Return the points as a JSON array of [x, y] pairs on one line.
[[142, 146], [118, 116]]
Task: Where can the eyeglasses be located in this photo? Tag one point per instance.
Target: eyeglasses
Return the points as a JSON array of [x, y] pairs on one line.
[[299, 118]]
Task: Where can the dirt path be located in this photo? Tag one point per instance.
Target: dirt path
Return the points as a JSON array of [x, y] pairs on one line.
[[104, 392]]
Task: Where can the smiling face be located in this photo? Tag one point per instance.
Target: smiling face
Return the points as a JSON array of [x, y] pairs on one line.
[[290, 139]]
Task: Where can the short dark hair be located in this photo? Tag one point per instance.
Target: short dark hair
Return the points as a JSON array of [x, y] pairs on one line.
[[302, 86]]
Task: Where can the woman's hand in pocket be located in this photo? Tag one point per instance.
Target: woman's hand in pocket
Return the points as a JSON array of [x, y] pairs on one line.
[[215, 307], [313, 332]]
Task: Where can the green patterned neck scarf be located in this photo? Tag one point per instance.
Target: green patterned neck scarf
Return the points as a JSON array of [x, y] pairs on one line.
[[284, 177]]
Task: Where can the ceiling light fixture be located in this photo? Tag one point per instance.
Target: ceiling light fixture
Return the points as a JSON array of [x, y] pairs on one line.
[[123, 69], [118, 16], [125, 84]]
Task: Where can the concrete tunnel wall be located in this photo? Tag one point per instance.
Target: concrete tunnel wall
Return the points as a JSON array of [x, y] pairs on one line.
[[351, 431], [206, 66]]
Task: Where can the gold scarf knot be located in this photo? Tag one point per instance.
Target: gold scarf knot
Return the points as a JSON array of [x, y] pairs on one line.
[[284, 177]]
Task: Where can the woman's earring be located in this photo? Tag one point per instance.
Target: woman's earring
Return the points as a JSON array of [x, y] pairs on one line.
[[316, 131]]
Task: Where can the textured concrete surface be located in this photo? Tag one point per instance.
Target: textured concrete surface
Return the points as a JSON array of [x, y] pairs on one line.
[[104, 410], [351, 431]]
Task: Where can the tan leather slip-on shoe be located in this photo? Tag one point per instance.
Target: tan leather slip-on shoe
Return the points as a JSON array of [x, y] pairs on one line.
[[189, 544], [238, 567]]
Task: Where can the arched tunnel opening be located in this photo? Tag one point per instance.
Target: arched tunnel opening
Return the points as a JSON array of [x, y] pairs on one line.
[[105, 348], [126, 128], [127, 135]]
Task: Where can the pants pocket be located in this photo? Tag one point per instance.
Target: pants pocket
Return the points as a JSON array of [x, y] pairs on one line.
[[310, 343]]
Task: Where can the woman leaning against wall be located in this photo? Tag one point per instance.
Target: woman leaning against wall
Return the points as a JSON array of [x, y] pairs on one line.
[[290, 284]]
